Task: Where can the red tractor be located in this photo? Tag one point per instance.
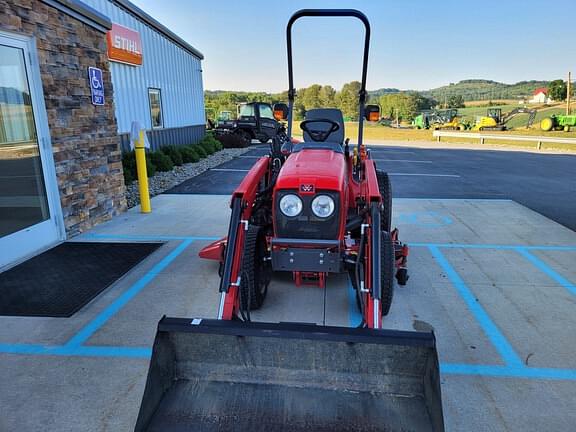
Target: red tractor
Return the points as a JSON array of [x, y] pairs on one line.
[[311, 208]]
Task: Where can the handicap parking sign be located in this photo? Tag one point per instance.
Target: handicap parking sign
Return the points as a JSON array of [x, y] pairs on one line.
[[96, 85]]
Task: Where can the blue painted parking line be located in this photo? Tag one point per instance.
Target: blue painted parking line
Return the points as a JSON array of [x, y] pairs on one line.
[[508, 371], [84, 334], [545, 268], [514, 367], [145, 354], [492, 332], [80, 351]]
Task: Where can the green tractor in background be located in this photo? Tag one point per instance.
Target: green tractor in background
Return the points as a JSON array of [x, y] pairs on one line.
[[558, 122], [422, 120], [447, 119]]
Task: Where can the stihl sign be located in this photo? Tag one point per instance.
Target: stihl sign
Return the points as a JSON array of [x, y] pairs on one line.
[[124, 45]]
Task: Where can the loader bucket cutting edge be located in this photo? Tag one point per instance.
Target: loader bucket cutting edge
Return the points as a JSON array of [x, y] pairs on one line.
[[229, 375]]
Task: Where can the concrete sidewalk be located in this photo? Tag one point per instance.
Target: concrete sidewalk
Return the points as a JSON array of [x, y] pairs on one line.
[[494, 280]]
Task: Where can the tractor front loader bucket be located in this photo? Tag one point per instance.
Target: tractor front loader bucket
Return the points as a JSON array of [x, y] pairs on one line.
[[215, 375]]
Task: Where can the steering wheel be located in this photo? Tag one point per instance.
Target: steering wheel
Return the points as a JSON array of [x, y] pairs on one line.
[[319, 135]]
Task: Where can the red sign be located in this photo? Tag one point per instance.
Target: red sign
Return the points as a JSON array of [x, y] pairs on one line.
[[124, 45]]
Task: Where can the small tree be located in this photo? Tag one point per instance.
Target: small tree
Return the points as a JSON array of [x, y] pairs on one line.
[[348, 99], [557, 90]]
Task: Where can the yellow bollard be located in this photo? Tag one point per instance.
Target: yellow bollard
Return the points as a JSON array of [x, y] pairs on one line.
[[142, 174]]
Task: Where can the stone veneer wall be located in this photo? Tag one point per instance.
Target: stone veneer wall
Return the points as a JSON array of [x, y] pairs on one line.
[[84, 137]]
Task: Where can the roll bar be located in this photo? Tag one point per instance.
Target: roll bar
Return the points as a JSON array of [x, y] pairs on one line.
[[328, 13]]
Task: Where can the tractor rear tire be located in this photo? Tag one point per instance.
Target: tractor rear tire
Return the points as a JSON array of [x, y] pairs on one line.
[[245, 137], [256, 270], [547, 124], [386, 194], [387, 267]]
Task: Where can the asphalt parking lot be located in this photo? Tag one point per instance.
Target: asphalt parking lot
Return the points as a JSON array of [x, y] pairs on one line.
[[494, 279], [543, 182]]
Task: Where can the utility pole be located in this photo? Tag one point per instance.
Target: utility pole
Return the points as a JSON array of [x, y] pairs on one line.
[[568, 92]]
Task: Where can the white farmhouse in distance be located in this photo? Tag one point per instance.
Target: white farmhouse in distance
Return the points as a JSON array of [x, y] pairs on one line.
[[540, 96]]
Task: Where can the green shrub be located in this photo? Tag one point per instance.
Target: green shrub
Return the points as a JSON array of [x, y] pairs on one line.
[[189, 154], [129, 167], [207, 146], [201, 152], [217, 145], [150, 167], [161, 161], [174, 153], [128, 175]]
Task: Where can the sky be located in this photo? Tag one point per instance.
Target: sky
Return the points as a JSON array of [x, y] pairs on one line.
[[415, 44]]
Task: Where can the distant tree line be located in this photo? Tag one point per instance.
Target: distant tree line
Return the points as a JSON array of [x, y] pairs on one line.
[[314, 96], [404, 104]]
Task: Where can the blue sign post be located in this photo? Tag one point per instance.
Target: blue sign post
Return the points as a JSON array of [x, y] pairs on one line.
[[96, 85]]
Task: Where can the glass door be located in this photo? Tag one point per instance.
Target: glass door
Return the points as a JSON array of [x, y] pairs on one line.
[[30, 215]]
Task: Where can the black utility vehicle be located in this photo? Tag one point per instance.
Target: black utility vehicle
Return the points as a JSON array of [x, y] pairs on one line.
[[255, 121]]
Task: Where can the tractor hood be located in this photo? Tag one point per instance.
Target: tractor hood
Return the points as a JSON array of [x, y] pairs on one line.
[[313, 169]]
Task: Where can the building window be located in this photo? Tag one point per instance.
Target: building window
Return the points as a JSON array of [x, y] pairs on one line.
[[155, 98]]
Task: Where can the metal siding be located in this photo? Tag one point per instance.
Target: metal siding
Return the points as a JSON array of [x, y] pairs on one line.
[[165, 66]]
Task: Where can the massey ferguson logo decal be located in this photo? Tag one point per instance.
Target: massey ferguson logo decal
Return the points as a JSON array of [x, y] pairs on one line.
[[307, 188]]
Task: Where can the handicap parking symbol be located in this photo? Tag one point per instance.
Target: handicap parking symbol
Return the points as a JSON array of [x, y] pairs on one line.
[[96, 85]]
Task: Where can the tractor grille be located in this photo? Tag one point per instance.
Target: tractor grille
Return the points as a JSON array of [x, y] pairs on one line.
[[306, 225]]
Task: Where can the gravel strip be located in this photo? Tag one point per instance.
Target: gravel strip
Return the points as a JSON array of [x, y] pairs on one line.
[[163, 181]]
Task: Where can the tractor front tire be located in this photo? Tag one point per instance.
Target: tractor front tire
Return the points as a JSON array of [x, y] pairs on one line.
[[387, 267], [386, 194], [256, 271]]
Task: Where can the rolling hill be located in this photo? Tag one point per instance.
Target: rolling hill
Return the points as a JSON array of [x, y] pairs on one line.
[[477, 89]]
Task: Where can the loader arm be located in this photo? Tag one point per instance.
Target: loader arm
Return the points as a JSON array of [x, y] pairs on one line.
[[509, 116], [242, 202]]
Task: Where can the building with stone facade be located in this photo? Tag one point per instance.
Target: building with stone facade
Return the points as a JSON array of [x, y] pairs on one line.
[[73, 77]]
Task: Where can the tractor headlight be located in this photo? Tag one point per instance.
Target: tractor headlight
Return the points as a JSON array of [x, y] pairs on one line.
[[323, 206], [291, 205]]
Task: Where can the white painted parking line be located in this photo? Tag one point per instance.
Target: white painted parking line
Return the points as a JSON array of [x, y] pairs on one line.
[[424, 175], [403, 160], [229, 169], [390, 151]]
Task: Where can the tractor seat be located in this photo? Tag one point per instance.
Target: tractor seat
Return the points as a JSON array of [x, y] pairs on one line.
[[333, 114]]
